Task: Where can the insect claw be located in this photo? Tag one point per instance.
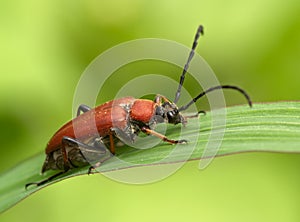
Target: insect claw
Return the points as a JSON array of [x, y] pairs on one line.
[[29, 184], [91, 169], [202, 112], [182, 141]]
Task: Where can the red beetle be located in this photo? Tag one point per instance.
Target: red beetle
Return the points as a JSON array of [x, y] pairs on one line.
[[121, 119]]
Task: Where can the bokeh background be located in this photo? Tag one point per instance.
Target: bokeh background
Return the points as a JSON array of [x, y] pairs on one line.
[[45, 47]]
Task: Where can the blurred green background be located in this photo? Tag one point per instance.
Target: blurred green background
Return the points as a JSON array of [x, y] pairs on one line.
[[45, 47]]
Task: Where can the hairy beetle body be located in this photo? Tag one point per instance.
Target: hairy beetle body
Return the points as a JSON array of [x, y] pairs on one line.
[[122, 119], [101, 116]]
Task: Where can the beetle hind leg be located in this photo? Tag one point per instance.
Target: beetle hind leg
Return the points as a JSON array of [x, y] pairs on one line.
[[87, 154], [44, 181], [79, 155]]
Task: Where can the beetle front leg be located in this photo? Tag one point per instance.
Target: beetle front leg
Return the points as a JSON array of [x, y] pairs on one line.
[[162, 137]]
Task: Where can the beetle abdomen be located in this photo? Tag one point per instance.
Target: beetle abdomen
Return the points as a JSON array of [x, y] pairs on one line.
[[54, 160]]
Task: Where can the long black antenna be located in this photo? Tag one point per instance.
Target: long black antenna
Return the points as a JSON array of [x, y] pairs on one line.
[[216, 88], [186, 66]]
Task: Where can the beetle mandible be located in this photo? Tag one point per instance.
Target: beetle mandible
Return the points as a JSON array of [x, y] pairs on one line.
[[121, 119]]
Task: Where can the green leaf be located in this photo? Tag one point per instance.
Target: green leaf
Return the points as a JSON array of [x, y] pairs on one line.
[[273, 127]]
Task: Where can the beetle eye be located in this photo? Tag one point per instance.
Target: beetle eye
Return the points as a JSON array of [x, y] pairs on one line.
[[172, 114], [169, 114]]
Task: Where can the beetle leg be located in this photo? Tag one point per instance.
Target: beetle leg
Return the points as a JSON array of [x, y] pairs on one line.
[[64, 153], [68, 141], [91, 154], [111, 142], [71, 142], [44, 181], [185, 118], [162, 137], [83, 108]]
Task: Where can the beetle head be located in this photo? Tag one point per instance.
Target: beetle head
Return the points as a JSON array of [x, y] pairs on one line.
[[170, 113]]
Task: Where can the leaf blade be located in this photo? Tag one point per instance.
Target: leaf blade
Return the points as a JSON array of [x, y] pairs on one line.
[[273, 127]]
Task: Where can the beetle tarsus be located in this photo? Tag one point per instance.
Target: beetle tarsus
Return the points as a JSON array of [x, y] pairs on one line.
[[201, 112], [82, 108], [174, 141], [182, 141], [44, 181], [30, 184], [91, 169]]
